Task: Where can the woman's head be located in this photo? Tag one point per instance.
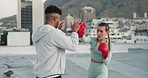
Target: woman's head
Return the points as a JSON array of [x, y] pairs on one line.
[[102, 31]]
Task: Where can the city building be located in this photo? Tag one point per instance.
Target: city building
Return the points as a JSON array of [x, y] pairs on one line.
[[140, 17], [91, 28], [145, 15], [37, 13], [68, 20], [134, 15], [141, 29], [30, 15], [24, 16], [87, 13]]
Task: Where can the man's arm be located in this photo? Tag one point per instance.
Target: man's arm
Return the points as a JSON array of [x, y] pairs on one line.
[[64, 42]]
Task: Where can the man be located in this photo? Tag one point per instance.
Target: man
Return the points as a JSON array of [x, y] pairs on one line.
[[51, 43]]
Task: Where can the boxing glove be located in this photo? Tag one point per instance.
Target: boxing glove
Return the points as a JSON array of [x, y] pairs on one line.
[[81, 30], [103, 47]]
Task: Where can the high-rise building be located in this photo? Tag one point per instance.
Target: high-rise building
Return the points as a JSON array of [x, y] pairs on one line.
[[134, 15], [87, 13], [24, 16], [38, 13], [30, 14], [145, 15], [68, 20], [19, 14], [137, 17]]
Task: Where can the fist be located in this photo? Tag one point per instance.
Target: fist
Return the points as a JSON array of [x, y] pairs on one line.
[[103, 47], [81, 30]]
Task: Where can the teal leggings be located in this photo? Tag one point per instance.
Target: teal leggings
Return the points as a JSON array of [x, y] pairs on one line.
[[97, 70]]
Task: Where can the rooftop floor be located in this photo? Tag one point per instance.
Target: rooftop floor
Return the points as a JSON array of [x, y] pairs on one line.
[[131, 64]]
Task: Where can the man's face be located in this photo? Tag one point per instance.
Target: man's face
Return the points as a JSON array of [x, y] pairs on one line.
[[57, 20]]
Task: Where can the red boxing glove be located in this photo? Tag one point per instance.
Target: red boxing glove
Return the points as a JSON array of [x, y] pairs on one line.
[[81, 30], [103, 47]]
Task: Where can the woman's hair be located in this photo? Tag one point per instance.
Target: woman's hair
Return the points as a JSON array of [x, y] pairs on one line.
[[107, 30]]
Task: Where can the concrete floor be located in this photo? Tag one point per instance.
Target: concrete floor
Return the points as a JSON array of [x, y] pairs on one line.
[[131, 64]]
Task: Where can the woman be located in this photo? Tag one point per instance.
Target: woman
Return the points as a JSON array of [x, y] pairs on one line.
[[98, 66]]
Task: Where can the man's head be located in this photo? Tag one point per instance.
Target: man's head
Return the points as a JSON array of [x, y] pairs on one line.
[[52, 15], [53, 9]]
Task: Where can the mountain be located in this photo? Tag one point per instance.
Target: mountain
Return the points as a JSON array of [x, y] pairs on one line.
[[104, 8], [9, 22], [6, 19]]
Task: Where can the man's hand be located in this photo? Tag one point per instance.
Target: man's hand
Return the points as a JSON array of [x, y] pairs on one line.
[[61, 25], [75, 26]]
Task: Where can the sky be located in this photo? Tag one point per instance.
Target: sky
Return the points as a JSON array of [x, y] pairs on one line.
[[8, 8]]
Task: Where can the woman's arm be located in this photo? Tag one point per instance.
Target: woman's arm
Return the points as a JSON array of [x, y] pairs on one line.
[[85, 39]]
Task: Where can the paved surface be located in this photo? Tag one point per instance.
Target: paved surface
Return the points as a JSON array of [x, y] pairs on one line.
[[131, 64]]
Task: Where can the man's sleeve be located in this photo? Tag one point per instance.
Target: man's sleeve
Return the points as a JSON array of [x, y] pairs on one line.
[[65, 42]]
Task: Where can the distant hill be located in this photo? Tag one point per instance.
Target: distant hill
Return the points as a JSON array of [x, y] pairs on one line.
[[9, 22], [104, 8], [6, 19]]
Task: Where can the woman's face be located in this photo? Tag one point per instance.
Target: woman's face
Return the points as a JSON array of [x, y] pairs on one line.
[[101, 32]]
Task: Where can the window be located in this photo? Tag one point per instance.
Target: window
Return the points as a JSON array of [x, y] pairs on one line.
[[94, 34], [144, 40], [141, 40], [137, 39]]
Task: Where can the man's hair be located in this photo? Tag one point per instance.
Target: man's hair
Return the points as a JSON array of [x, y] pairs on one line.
[[53, 9]]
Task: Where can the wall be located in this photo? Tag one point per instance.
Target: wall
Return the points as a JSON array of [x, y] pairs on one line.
[[18, 39]]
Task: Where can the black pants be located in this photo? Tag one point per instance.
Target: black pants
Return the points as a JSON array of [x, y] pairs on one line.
[[54, 77]]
